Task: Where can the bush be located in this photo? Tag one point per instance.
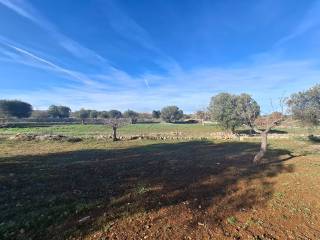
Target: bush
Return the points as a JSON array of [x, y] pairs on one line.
[[171, 114]]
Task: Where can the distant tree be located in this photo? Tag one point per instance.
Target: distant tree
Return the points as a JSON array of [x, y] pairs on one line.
[[171, 114], [156, 114], [305, 106], [104, 114], [53, 111], [83, 114], [59, 111], [222, 109], [132, 115], [15, 108], [115, 114], [201, 115], [115, 123], [93, 114], [64, 111]]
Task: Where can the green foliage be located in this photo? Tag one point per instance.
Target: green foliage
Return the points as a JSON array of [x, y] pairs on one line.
[[104, 114], [305, 105], [59, 111], [15, 108], [222, 109], [232, 220], [132, 115], [93, 114], [171, 114], [232, 111], [115, 114], [156, 114], [247, 109], [83, 113]]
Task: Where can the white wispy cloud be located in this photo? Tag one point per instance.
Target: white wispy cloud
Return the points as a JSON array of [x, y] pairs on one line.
[[110, 80], [120, 22], [190, 90], [114, 88], [23, 56], [131, 30], [26, 10]]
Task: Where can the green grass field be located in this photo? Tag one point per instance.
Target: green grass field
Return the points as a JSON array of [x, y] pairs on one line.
[[78, 130], [132, 129]]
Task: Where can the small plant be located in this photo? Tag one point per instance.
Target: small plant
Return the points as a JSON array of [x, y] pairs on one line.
[[279, 195], [141, 189], [232, 220]]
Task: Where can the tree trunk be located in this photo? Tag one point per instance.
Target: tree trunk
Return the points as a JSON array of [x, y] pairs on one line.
[[250, 132], [263, 149], [114, 129]]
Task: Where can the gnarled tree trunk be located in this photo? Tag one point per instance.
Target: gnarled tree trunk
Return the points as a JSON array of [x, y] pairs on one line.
[[114, 130], [263, 148]]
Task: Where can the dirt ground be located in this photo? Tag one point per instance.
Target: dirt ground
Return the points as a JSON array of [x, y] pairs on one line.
[[178, 190]]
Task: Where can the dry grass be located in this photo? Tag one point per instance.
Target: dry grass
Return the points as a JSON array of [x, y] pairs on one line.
[[158, 190]]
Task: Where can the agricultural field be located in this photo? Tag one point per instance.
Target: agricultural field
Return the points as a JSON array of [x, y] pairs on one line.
[[150, 189], [80, 130]]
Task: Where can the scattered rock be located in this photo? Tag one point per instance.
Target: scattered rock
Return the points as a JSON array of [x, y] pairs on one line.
[[82, 220], [46, 137]]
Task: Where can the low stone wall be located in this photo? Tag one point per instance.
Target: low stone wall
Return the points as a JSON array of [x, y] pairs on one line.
[[47, 137], [213, 136]]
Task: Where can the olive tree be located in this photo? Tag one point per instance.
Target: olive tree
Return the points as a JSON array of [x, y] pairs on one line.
[[115, 114], [266, 123], [247, 110], [15, 108], [235, 110], [305, 106], [82, 114], [59, 111], [93, 114], [222, 108], [115, 123], [171, 114], [132, 115], [156, 114], [104, 114], [201, 115]]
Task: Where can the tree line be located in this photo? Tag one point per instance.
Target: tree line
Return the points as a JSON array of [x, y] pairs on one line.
[[20, 109], [229, 110]]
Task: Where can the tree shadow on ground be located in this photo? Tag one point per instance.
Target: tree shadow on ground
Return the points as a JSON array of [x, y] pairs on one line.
[[314, 139], [28, 125], [46, 195], [248, 131]]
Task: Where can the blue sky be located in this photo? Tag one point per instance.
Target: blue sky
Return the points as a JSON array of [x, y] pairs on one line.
[[143, 55]]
